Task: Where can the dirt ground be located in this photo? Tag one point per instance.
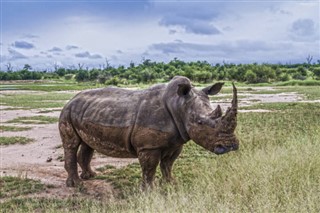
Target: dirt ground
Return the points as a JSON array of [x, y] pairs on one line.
[[41, 159]]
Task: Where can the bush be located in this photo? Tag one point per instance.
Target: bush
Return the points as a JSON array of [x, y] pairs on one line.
[[68, 76], [82, 75]]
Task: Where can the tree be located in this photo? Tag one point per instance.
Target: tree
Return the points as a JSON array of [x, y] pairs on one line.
[[82, 75], [27, 67], [9, 67], [250, 76], [61, 71], [309, 59]]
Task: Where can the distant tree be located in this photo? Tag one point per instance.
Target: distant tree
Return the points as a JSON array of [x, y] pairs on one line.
[[9, 67], [309, 59], [27, 67], [61, 71], [250, 76], [82, 75], [93, 74], [80, 66], [316, 72]]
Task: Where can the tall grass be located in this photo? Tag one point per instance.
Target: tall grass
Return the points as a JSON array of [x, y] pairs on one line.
[[277, 169]]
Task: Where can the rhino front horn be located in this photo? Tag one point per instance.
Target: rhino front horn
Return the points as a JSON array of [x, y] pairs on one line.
[[230, 118]]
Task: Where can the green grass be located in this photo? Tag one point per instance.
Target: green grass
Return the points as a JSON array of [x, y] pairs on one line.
[[13, 128], [286, 107], [32, 101], [276, 170], [14, 140], [40, 119], [22, 205], [15, 186], [50, 86], [299, 83]]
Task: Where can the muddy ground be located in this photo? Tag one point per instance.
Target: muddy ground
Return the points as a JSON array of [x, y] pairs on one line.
[[43, 159]]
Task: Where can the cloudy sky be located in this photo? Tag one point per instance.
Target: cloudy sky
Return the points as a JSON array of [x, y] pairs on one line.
[[65, 33]]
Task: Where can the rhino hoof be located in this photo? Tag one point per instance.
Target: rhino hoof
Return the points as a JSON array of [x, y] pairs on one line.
[[87, 175], [73, 183]]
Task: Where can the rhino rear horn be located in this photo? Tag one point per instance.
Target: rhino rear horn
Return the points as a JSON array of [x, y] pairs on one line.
[[216, 113]]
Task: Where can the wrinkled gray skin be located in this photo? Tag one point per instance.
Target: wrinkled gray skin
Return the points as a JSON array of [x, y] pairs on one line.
[[152, 125]]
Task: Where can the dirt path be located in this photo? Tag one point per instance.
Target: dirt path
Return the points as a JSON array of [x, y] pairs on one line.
[[41, 159]]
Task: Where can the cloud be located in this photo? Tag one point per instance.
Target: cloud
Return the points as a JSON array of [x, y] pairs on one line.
[[243, 51], [15, 55], [195, 25], [55, 49], [227, 47], [88, 55], [23, 45], [71, 47], [30, 36], [304, 29]]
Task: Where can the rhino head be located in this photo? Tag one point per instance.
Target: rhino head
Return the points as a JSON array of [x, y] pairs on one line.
[[197, 120]]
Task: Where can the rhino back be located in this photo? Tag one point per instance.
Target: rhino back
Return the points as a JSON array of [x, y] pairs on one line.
[[118, 122]]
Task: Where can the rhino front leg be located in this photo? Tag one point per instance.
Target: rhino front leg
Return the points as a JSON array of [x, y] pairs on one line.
[[149, 160], [84, 158], [167, 160]]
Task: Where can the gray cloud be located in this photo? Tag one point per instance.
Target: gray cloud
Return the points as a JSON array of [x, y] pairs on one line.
[[88, 55], [224, 47], [243, 51], [71, 47], [15, 55], [55, 49], [304, 29], [193, 25], [30, 36], [23, 45]]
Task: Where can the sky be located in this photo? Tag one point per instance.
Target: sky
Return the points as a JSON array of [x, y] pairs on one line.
[[47, 34]]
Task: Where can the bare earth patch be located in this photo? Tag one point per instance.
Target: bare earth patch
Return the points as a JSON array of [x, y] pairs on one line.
[[41, 159]]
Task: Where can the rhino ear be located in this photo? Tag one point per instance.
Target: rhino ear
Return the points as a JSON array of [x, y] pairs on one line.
[[183, 89], [214, 89]]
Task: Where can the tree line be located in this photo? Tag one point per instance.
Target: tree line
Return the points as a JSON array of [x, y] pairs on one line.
[[150, 71]]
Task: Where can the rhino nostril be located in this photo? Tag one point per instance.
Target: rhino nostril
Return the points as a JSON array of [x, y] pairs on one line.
[[235, 146], [219, 149]]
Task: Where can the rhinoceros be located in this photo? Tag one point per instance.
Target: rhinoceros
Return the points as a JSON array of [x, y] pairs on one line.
[[151, 125]]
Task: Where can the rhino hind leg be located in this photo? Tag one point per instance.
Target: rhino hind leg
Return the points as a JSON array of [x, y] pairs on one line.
[[70, 155], [166, 164], [71, 142], [149, 160], [84, 158]]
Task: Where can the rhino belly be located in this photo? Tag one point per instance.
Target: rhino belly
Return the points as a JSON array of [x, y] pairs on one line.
[[109, 140]]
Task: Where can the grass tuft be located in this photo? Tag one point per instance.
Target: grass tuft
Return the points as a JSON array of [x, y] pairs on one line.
[[15, 186], [14, 140], [40, 119], [13, 128]]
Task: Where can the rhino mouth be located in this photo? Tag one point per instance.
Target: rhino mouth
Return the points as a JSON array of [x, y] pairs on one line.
[[220, 149]]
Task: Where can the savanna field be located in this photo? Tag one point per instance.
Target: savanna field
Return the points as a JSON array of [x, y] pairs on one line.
[[276, 169]]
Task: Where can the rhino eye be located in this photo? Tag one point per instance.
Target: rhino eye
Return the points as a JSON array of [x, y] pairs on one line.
[[199, 122]]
